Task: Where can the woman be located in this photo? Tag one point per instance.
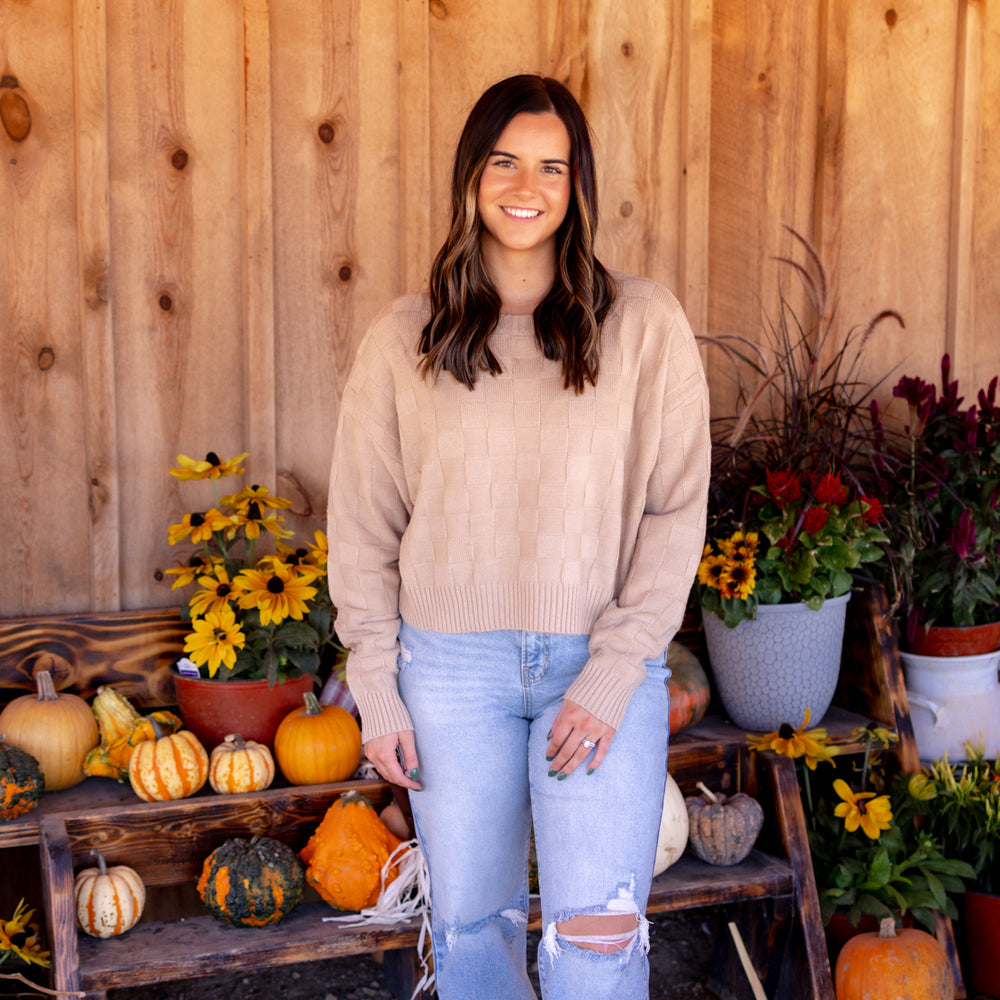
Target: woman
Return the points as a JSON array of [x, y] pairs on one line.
[[517, 510]]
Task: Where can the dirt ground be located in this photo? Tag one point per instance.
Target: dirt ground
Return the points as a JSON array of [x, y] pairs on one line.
[[680, 953]]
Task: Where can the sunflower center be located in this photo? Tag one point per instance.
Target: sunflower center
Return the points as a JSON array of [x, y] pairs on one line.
[[223, 590], [197, 520], [275, 585], [253, 511], [213, 459], [786, 732]]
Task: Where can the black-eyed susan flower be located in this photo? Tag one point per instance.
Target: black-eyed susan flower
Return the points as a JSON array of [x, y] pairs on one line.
[[255, 494], [254, 521], [199, 527], [216, 593], [215, 640], [738, 580], [277, 591], [211, 467], [183, 575], [711, 571], [810, 744], [871, 812], [20, 936]]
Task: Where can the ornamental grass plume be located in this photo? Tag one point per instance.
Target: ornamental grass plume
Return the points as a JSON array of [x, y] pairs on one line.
[[261, 609]]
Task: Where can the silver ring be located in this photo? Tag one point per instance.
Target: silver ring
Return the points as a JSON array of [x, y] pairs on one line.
[[588, 744]]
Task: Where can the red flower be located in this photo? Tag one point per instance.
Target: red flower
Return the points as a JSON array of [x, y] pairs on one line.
[[873, 512], [815, 518], [784, 487], [831, 490]]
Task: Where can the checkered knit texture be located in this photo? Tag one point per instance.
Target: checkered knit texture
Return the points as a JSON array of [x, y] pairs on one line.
[[520, 504]]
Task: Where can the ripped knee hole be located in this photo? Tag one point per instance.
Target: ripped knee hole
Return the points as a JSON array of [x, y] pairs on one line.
[[601, 932]]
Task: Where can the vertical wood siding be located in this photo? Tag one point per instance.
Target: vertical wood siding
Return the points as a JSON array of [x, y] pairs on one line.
[[204, 205]]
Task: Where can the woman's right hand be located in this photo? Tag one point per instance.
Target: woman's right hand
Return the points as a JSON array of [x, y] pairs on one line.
[[395, 758]]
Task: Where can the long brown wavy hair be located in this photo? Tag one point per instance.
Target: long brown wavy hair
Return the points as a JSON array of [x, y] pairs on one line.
[[465, 306]]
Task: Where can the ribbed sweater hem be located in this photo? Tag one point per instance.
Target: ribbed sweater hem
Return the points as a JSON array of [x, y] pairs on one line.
[[535, 607]]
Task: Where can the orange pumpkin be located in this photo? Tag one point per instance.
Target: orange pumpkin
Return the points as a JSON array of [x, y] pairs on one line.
[[238, 765], [888, 964], [174, 766], [346, 854], [57, 730], [688, 686], [316, 744]]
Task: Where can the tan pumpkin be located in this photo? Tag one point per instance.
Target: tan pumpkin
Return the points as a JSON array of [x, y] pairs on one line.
[[887, 964], [108, 900], [345, 855], [238, 765], [58, 730], [174, 766], [673, 834], [316, 744], [722, 830]]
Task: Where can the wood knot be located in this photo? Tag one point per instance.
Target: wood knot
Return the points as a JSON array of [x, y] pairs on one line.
[[46, 358], [438, 9], [625, 209], [15, 114], [179, 159], [345, 272], [158, 575], [627, 50], [326, 132], [891, 17], [165, 302]]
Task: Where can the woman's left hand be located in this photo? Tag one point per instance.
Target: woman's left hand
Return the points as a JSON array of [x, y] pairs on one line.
[[575, 734]]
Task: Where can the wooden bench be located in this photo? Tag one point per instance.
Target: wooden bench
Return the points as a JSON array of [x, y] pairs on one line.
[[771, 896]]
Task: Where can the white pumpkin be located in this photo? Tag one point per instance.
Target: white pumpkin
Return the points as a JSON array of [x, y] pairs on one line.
[[673, 828], [108, 900]]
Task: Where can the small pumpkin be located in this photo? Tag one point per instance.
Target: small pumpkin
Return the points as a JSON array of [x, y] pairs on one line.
[[316, 744], [111, 760], [688, 686], [56, 729], [886, 964], [673, 827], [21, 781], [722, 830], [172, 766], [345, 855], [238, 765], [251, 883], [109, 901]]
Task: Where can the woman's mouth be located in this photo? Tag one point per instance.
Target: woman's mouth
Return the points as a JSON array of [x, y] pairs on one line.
[[521, 213]]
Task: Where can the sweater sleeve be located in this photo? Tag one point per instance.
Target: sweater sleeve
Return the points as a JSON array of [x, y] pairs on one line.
[[650, 605], [367, 514]]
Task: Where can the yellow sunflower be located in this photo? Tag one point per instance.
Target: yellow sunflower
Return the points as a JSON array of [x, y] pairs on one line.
[[808, 743], [253, 521], [711, 571], [865, 809], [200, 527], [277, 590], [212, 467], [738, 580], [740, 546], [19, 936], [255, 494], [216, 593], [215, 639]]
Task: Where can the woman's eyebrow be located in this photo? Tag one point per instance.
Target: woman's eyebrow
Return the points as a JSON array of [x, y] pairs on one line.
[[513, 156]]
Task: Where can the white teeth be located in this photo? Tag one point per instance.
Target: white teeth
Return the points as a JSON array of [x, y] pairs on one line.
[[523, 213]]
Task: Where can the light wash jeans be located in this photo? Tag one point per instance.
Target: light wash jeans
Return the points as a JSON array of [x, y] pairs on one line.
[[482, 705]]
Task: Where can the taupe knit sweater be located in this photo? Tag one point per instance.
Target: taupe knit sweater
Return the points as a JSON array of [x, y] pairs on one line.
[[520, 504]]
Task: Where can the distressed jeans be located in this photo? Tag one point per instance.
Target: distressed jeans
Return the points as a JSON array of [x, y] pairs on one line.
[[483, 705]]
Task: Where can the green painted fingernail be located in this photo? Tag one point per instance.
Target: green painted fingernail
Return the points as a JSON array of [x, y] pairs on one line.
[[552, 773], [415, 774], [591, 770], [562, 776], [549, 756]]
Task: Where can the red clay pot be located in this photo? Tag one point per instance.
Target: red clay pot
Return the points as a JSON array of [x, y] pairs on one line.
[[213, 709], [966, 640], [981, 928]]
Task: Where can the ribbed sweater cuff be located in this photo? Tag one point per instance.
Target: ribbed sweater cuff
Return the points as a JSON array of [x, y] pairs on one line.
[[382, 712], [602, 694]]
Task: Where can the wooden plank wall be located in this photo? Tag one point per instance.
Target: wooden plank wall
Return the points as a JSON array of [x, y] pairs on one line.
[[204, 205]]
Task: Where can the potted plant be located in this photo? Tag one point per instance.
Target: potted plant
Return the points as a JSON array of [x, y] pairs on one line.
[[871, 859], [938, 475], [790, 519], [938, 472], [960, 806], [260, 612]]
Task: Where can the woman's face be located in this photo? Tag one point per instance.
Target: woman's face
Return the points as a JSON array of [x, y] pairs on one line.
[[526, 186]]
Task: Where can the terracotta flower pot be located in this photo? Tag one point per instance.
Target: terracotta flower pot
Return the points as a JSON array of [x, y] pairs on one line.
[[981, 928], [213, 709], [967, 640]]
